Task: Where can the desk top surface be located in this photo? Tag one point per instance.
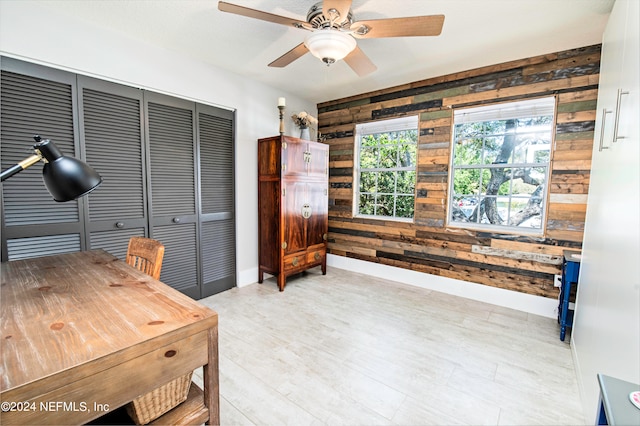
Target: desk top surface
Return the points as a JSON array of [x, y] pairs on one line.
[[615, 398], [64, 311]]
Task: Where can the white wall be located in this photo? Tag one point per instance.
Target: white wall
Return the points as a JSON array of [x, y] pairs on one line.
[[606, 333], [32, 32]]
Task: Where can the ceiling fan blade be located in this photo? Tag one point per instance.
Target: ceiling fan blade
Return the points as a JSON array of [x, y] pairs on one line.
[[264, 16], [399, 27], [341, 6], [359, 62], [290, 56]]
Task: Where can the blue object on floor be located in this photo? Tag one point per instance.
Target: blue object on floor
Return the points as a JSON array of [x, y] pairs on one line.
[[570, 272]]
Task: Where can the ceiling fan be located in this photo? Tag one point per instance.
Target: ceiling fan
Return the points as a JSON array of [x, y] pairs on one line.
[[334, 32]]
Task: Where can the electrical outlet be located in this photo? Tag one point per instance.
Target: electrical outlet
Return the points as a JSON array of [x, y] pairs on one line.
[[557, 280]]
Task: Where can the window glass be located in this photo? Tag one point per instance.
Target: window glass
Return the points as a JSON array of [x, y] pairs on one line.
[[385, 168], [500, 165]]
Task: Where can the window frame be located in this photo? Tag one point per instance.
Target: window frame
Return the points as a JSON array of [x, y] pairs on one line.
[[383, 126], [503, 111]]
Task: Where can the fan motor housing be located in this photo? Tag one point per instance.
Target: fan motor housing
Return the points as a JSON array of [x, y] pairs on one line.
[[316, 18]]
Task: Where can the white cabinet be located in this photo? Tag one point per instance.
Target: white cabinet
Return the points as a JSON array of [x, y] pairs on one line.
[[606, 332], [618, 75], [628, 87]]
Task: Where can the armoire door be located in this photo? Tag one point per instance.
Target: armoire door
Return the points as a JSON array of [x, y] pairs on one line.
[[317, 223], [112, 135], [317, 160], [304, 159], [294, 205], [305, 210], [294, 158], [170, 132]]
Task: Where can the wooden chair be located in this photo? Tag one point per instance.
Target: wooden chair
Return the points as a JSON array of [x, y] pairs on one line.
[[145, 254]]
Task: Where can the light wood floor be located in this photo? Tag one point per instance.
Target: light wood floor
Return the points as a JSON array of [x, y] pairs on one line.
[[349, 349]]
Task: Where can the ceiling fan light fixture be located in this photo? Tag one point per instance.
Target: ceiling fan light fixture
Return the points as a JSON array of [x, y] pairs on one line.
[[329, 45]]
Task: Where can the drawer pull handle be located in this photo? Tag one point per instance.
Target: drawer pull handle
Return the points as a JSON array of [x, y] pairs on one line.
[[175, 220], [119, 225], [316, 256], [170, 353], [294, 262]]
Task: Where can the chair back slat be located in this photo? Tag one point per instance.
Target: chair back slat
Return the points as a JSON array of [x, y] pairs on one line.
[[146, 254]]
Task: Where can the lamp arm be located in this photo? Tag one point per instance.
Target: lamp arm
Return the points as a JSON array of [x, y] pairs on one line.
[[17, 168]]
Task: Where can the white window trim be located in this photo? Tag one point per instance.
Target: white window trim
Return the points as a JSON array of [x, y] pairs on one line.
[[503, 111], [382, 126]]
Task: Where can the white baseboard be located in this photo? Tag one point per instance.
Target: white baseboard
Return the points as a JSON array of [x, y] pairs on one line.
[[246, 277], [537, 305]]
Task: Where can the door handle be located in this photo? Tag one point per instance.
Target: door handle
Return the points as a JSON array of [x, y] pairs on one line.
[[175, 220], [604, 119], [617, 120], [119, 225]]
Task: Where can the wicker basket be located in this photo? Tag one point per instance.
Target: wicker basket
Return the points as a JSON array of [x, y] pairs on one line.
[[160, 400]]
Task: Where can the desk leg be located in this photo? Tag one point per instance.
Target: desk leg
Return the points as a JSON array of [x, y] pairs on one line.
[[212, 380]]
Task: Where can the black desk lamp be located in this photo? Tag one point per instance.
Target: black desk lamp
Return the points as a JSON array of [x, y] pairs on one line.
[[66, 178]]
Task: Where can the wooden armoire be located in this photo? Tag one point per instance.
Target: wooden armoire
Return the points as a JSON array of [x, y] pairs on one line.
[[293, 179]]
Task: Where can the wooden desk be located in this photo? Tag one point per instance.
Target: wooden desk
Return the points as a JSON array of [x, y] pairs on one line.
[[85, 333]]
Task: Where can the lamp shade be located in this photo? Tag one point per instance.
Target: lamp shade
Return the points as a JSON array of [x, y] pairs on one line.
[[66, 178], [329, 45]]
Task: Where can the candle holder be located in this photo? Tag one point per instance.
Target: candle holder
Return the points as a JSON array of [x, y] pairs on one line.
[[281, 108]]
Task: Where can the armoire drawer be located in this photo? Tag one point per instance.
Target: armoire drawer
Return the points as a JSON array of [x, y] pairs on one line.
[[295, 261], [315, 256]]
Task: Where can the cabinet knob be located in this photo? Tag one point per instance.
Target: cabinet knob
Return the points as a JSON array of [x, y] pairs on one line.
[[119, 225], [316, 256], [294, 262], [175, 220]]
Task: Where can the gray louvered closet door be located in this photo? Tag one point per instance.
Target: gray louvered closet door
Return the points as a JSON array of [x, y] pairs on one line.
[[111, 129], [171, 134], [36, 100], [215, 137], [167, 166]]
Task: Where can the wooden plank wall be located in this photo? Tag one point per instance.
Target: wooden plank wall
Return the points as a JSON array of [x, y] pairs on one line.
[[515, 262]]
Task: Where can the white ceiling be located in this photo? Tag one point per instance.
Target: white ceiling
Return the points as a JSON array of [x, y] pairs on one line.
[[475, 33]]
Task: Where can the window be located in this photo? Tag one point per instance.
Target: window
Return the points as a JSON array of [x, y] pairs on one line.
[[500, 165], [386, 168]]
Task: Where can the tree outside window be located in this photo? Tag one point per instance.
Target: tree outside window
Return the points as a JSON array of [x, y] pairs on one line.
[[386, 168], [500, 165]]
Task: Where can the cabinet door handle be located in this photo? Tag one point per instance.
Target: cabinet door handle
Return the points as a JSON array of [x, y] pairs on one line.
[[119, 225], [306, 211], [604, 119], [617, 120], [175, 220]]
